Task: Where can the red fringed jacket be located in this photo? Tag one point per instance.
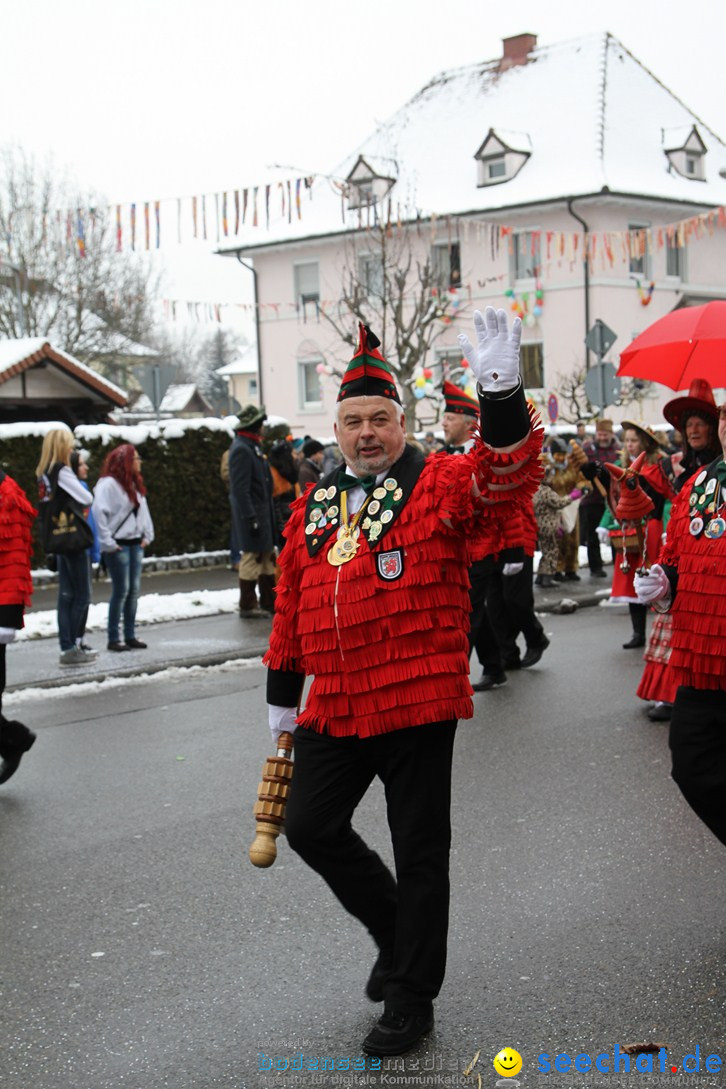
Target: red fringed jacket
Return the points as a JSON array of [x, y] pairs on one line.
[[698, 645], [16, 523], [385, 635]]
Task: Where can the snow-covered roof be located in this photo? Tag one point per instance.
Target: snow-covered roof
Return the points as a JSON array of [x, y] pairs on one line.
[[591, 113], [20, 354], [175, 399], [245, 363]]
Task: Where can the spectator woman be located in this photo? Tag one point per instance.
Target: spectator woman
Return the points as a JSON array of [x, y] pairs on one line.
[[125, 529], [79, 465], [54, 474]]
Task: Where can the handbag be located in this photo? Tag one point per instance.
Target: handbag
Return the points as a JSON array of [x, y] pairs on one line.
[[63, 529]]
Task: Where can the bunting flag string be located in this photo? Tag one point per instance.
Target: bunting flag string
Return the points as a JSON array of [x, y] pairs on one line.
[[534, 248]]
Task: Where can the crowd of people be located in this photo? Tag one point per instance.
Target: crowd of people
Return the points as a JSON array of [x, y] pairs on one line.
[[429, 544]]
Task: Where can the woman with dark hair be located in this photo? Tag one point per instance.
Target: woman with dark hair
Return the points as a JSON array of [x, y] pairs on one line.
[[125, 529]]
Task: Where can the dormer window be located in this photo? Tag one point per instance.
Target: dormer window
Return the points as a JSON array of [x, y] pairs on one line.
[[499, 160], [686, 154], [366, 186]]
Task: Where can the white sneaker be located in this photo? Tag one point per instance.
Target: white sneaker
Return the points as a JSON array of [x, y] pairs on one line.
[[74, 656], [88, 654]]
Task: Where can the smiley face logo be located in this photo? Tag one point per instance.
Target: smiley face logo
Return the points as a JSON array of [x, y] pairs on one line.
[[508, 1062]]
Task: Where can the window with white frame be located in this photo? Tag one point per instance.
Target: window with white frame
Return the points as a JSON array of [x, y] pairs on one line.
[[309, 388], [446, 265], [639, 264], [675, 259], [525, 260], [307, 289], [531, 365], [370, 274]]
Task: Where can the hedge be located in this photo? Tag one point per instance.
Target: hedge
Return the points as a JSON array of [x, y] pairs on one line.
[[181, 459]]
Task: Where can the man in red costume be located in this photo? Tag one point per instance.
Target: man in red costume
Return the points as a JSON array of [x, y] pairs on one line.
[[16, 587], [691, 582], [373, 602]]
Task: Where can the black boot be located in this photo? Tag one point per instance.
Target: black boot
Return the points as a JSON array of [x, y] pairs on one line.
[[266, 584], [15, 741], [248, 606], [637, 617]]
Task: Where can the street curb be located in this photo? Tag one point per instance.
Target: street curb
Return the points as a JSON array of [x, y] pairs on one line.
[[141, 670]]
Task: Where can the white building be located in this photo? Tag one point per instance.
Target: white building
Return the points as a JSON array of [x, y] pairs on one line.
[[567, 181]]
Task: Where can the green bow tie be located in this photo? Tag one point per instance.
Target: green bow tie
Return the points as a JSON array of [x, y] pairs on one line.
[[345, 481]]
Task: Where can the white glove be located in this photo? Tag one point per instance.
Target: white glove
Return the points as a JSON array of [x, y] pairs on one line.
[[281, 720], [512, 569], [603, 535], [652, 587], [495, 360]]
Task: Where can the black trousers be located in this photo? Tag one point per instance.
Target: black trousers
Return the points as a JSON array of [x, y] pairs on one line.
[[407, 916], [482, 636], [510, 603], [698, 746], [590, 515]]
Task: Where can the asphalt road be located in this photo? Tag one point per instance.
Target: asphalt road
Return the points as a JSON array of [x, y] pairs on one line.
[[140, 949]]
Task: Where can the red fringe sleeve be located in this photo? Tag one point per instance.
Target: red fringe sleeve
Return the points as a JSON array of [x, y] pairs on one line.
[[16, 525]]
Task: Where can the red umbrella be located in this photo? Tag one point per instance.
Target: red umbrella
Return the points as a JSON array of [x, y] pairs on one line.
[[683, 345]]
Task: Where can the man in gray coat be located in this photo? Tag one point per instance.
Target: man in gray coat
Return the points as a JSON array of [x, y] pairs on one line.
[[250, 497]]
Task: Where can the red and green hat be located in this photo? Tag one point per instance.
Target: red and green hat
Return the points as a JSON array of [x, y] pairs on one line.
[[368, 374], [459, 402]]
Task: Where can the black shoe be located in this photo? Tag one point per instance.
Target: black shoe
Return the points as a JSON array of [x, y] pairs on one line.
[[490, 680], [636, 641], [533, 654], [15, 741], [572, 576], [558, 576], [398, 1031], [377, 979], [135, 644], [660, 713], [599, 574], [117, 646]]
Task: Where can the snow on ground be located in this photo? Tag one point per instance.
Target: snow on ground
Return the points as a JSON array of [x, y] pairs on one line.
[[153, 609], [174, 673]]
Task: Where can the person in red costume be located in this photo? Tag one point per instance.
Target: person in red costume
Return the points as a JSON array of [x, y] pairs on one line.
[[690, 581], [373, 602], [695, 416], [16, 588]]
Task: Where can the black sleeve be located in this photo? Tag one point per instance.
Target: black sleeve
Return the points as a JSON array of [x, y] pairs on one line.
[[284, 687], [504, 416], [672, 576]]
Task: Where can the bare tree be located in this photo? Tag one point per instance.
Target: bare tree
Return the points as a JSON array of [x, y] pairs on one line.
[[570, 390], [391, 284], [61, 276]]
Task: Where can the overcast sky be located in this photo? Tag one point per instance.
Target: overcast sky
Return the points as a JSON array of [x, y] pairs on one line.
[[154, 99]]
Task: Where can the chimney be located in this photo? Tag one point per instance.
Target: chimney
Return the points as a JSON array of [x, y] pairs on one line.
[[516, 50]]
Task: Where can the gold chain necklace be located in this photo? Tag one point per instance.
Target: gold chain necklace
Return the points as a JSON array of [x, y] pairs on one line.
[[345, 546]]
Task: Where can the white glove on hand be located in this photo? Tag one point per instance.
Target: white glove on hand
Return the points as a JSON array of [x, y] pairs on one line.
[[652, 587], [281, 720], [495, 360], [603, 535], [512, 569]]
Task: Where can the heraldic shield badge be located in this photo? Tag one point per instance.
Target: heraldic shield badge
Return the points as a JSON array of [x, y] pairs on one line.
[[390, 564]]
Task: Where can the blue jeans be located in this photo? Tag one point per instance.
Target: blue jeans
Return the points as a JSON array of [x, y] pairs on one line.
[[74, 596], [124, 567]]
